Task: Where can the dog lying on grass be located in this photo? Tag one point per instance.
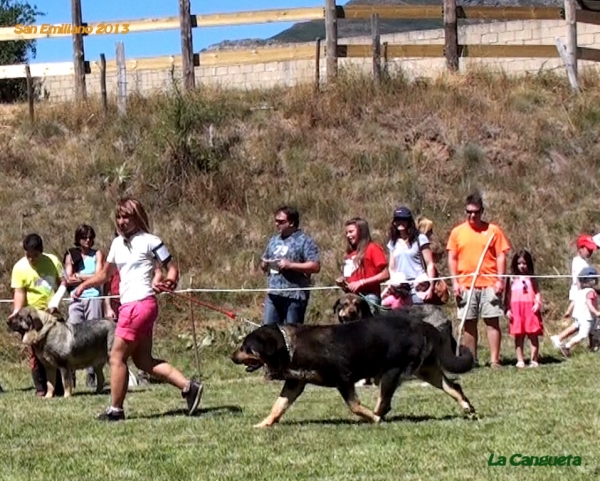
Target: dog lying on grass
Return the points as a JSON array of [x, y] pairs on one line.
[[63, 347], [387, 348]]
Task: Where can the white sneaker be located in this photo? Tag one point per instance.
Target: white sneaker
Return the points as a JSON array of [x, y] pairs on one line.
[[556, 342], [361, 383]]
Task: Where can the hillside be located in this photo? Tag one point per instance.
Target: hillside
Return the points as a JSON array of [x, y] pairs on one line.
[[530, 146], [309, 31]]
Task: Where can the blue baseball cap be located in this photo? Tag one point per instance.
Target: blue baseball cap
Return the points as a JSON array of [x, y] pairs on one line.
[[402, 212]]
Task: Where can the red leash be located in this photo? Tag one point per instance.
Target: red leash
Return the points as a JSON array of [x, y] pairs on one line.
[[232, 315]]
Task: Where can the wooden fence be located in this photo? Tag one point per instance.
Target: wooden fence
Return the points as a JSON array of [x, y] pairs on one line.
[[331, 13]]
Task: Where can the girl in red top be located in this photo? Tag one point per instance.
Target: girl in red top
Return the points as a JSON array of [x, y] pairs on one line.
[[365, 264]]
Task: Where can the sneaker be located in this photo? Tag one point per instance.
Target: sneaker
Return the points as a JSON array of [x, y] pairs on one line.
[[111, 415], [556, 342], [521, 364], [534, 364], [361, 383], [143, 378], [192, 395]]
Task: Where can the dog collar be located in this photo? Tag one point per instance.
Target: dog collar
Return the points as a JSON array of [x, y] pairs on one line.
[[286, 339]]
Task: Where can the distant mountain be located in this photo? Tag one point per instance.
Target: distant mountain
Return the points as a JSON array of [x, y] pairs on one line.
[[309, 31]]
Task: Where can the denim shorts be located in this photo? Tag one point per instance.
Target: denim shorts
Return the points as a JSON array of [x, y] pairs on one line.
[[284, 310]]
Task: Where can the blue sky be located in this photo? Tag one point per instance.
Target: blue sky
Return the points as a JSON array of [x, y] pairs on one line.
[[150, 44]]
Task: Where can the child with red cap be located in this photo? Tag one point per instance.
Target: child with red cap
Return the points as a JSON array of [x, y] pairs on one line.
[[585, 248]]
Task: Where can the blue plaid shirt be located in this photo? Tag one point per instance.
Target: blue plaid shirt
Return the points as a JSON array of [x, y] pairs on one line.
[[298, 247]]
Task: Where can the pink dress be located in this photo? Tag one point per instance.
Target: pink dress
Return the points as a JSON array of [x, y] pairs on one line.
[[522, 299]]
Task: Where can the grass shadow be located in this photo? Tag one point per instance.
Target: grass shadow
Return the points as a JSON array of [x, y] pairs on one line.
[[106, 390], [391, 419], [543, 360], [212, 411]]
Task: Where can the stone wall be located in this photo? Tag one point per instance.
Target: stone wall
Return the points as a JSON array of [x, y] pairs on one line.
[[520, 32]]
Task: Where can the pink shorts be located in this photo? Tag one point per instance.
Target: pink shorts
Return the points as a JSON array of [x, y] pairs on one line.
[[136, 319]]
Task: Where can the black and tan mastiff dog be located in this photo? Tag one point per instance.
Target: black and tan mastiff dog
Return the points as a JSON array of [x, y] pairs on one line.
[[387, 348], [65, 347]]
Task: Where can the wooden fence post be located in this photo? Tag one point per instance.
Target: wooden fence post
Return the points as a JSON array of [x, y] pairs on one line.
[[375, 37], [331, 35], [187, 49], [386, 67], [30, 98], [570, 18], [78, 54], [121, 79], [318, 65], [103, 82], [450, 35]]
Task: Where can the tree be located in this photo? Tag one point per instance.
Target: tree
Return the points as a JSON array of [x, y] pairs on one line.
[[13, 12]]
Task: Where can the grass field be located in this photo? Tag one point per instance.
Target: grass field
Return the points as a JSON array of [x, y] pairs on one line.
[[547, 411], [210, 167]]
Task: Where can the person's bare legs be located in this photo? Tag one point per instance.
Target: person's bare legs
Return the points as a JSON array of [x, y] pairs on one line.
[[470, 336], [142, 358], [119, 354], [535, 348], [519, 341], [569, 331], [494, 338]]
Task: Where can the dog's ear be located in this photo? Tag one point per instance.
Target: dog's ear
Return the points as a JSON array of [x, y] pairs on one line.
[[336, 306], [365, 309], [34, 322]]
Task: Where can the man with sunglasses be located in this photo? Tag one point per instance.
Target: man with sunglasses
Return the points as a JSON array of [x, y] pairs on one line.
[[465, 247], [290, 258]]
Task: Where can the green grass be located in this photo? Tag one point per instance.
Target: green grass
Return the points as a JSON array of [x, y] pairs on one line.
[[548, 411]]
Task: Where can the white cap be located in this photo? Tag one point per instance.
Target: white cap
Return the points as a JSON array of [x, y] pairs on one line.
[[419, 279], [397, 278]]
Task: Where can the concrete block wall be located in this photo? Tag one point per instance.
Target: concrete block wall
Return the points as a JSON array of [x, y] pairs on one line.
[[288, 73]]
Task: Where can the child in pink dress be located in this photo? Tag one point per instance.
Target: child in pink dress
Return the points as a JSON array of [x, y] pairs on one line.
[[524, 302]]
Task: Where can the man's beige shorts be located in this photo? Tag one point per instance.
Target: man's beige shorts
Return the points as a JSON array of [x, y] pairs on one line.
[[484, 303]]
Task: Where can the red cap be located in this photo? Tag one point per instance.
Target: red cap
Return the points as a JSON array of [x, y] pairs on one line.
[[585, 240]]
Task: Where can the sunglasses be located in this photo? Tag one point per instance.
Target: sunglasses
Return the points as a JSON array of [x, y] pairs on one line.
[[280, 221], [472, 212]]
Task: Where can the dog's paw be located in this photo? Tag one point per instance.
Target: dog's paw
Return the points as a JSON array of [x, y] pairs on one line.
[[265, 423], [471, 415]]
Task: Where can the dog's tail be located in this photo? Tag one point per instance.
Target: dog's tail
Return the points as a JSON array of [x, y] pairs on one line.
[[450, 362]]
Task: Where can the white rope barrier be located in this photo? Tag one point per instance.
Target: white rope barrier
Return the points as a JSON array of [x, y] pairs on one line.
[[316, 288]]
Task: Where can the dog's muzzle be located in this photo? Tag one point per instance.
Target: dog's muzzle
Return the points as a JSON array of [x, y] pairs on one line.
[[251, 362]]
